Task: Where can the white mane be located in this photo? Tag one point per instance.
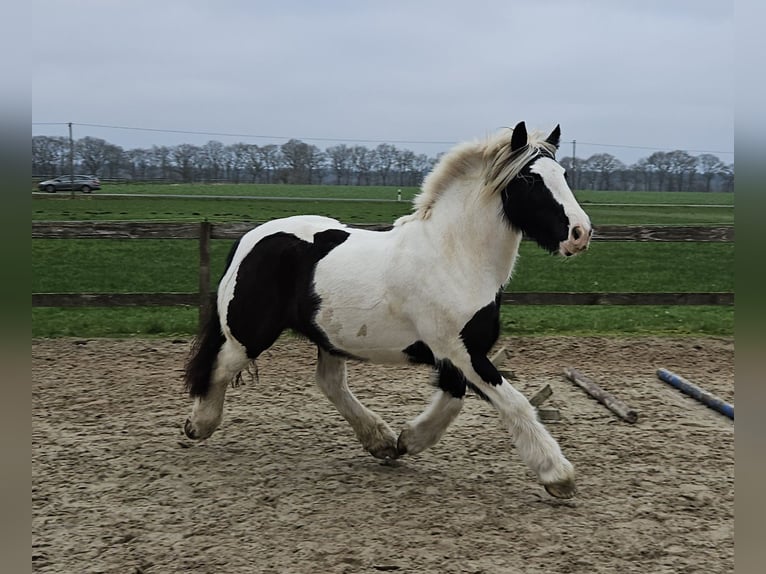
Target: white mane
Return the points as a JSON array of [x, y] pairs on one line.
[[491, 162]]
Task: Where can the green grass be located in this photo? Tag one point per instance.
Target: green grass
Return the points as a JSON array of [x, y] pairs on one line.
[[265, 190], [642, 206], [171, 265], [140, 209]]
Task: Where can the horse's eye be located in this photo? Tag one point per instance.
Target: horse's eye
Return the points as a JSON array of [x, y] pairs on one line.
[[566, 177]]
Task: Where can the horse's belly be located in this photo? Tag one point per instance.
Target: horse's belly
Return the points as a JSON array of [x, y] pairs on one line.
[[372, 335]]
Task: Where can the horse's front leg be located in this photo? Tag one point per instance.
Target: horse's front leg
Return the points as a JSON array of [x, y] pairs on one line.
[[536, 447], [371, 430]]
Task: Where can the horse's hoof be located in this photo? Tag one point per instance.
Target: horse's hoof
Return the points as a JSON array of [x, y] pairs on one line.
[[563, 489], [189, 431], [401, 448], [388, 452]]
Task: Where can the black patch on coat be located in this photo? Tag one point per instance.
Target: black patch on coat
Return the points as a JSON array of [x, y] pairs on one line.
[[450, 379], [420, 354], [529, 206], [479, 335], [275, 290]]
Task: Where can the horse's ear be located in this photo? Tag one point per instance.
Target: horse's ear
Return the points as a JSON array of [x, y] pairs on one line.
[[555, 136], [519, 136]]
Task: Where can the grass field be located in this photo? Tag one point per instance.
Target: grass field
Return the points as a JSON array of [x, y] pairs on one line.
[[171, 265]]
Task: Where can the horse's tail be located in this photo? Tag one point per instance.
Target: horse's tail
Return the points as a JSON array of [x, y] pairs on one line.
[[205, 349]]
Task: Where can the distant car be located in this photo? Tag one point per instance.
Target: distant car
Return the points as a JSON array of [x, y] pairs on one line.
[[84, 183]]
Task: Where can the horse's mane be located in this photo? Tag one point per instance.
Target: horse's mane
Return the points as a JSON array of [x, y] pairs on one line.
[[490, 161]]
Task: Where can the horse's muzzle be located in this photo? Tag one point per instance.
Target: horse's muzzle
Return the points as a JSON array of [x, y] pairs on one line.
[[578, 240]]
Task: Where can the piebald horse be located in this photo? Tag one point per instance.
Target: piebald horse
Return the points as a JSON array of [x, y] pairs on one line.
[[426, 292]]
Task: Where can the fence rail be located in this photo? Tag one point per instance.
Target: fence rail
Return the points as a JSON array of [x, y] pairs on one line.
[[205, 231]]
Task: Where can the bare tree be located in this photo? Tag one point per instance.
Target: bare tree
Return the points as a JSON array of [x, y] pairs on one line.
[[405, 162], [248, 158], [605, 165], [316, 162], [643, 172], [50, 155], [239, 159], [298, 162], [710, 167], [341, 162], [184, 157], [93, 153], [660, 164], [420, 167], [384, 160], [271, 158], [682, 169], [296, 156], [138, 163], [161, 159], [213, 160], [727, 176], [362, 159]]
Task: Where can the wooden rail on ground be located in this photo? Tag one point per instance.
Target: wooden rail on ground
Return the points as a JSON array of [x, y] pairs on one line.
[[205, 231]]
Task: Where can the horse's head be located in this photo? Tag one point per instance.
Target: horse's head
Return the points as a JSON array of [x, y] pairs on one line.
[[535, 194]]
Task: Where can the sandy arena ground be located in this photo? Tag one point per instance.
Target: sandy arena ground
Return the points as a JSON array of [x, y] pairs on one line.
[[284, 487]]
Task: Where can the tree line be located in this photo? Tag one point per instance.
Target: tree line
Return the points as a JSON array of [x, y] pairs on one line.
[[298, 162]]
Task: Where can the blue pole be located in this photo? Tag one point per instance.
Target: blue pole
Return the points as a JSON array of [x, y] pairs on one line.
[[706, 398]]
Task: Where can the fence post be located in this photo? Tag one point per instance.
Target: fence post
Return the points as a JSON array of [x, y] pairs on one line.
[[204, 274]]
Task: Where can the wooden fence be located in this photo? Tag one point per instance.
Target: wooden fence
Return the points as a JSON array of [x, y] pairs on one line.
[[205, 231]]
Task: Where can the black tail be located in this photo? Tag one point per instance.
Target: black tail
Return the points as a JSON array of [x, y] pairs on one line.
[[202, 357], [204, 351]]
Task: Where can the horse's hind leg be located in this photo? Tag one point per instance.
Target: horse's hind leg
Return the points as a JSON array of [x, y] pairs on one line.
[[371, 430], [208, 408]]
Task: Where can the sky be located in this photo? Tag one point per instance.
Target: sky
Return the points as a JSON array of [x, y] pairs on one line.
[[625, 78]]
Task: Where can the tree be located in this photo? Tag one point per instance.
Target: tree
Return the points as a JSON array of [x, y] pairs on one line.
[[405, 162], [161, 161], [362, 159], [184, 157], [93, 154], [682, 169], [248, 158], [271, 158], [643, 171], [302, 161], [213, 159], [316, 162], [50, 155], [710, 167], [727, 176], [239, 154], [341, 162], [384, 160], [660, 164], [605, 165]]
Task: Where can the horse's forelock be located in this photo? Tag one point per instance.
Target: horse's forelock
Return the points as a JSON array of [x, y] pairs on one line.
[[502, 164]]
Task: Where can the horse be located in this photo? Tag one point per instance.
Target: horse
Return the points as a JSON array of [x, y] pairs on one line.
[[427, 291]]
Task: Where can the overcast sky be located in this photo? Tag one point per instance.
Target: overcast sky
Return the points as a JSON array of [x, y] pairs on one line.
[[631, 76]]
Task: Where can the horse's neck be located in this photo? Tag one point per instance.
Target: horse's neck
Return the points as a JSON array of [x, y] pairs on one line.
[[472, 235]]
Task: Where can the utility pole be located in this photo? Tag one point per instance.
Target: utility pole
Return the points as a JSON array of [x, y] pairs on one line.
[[71, 160]]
